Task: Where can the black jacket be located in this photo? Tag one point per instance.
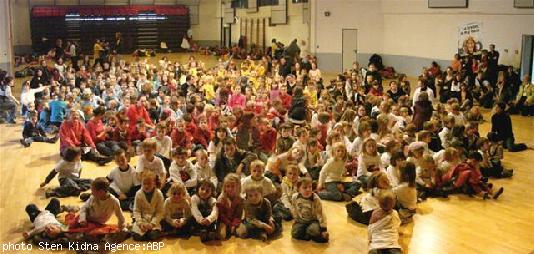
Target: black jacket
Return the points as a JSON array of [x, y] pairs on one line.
[[501, 123]]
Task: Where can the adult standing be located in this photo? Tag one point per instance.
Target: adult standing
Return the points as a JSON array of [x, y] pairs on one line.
[[422, 110], [493, 63]]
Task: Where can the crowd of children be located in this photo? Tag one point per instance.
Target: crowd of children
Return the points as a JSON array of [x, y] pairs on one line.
[[237, 148]]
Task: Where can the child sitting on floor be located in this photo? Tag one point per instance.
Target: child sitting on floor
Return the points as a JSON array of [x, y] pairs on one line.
[[331, 185], [492, 154], [182, 170], [259, 222], [148, 209], [100, 206], [148, 162], [406, 191], [32, 132], [177, 219], [256, 177], [384, 226], [205, 212], [289, 187], [230, 205], [467, 178], [124, 183], [69, 169], [361, 211], [203, 169], [306, 207]]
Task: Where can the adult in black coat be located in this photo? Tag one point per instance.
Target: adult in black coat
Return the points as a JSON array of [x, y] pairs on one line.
[[232, 160], [422, 111], [501, 125], [297, 112]]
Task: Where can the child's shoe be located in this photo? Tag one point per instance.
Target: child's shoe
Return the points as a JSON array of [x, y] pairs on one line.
[[263, 237], [50, 193], [204, 236], [214, 236], [241, 231], [24, 142], [222, 231], [498, 193], [85, 196]]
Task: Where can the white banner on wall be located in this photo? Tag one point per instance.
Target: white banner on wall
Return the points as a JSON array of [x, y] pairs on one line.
[[470, 40]]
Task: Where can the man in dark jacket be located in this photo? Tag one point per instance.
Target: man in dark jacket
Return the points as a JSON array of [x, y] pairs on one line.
[[501, 125], [232, 160]]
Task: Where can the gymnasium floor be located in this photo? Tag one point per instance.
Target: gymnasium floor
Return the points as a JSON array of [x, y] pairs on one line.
[[456, 225]]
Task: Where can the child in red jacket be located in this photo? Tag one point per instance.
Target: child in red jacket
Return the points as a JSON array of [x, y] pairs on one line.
[[267, 139], [180, 137], [202, 134], [467, 177]]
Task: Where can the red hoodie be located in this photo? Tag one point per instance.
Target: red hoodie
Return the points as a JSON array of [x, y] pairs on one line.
[[181, 139], [74, 134], [268, 140]]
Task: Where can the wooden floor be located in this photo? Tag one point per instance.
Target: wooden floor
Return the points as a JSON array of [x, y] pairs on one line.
[[455, 225]]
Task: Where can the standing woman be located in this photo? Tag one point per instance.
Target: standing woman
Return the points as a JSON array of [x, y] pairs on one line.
[[8, 102], [422, 110]]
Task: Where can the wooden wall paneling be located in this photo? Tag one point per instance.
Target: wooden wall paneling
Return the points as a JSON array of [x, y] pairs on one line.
[[263, 41], [92, 2]]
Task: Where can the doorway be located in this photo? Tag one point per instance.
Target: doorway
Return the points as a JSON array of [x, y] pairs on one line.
[[527, 56], [227, 35], [350, 47]]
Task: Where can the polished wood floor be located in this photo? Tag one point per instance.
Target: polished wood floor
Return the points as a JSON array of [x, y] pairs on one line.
[[456, 225]]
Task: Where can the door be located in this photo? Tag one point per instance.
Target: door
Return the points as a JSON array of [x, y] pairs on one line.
[[227, 36], [527, 56], [350, 47]]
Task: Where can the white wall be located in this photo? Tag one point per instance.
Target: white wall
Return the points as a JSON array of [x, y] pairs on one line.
[[208, 29], [6, 50], [408, 34], [412, 29], [364, 15]]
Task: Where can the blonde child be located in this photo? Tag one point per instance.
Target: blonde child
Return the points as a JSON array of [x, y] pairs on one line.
[[259, 222], [203, 168], [306, 207], [428, 179], [331, 185], [148, 162], [406, 191], [149, 209], [384, 226], [182, 170], [369, 160], [361, 211], [177, 218], [205, 212], [256, 177], [230, 205], [289, 187]]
